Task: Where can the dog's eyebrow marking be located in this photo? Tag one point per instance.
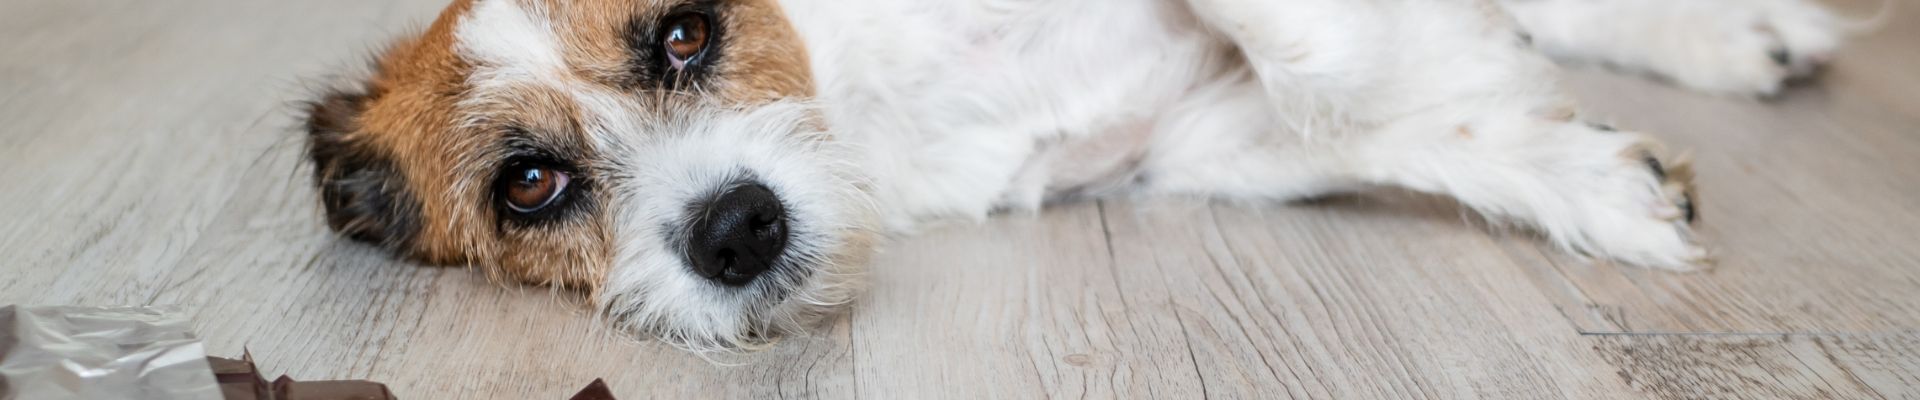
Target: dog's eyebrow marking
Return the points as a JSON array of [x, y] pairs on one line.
[[507, 40]]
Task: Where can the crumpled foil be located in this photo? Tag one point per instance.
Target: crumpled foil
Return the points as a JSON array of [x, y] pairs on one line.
[[55, 353]]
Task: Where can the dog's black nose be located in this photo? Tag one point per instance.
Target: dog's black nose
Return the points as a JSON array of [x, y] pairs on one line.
[[738, 235]]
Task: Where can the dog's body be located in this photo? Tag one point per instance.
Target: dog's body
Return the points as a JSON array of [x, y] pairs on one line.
[[716, 177]]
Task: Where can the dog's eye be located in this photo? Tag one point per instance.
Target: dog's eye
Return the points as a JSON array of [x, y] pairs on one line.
[[684, 38], [531, 188]]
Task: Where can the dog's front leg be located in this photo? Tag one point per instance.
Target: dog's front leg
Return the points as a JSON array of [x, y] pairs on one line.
[[1589, 188], [1440, 97]]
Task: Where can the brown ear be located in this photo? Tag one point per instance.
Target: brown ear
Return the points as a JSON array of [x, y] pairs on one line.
[[365, 196]]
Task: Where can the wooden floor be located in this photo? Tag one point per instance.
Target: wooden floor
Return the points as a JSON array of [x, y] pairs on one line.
[[148, 156]]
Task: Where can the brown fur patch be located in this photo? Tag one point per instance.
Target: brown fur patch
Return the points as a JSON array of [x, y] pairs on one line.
[[769, 61], [414, 89], [765, 59]]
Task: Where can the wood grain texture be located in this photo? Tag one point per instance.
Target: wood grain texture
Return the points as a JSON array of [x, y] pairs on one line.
[[128, 125], [1767, 366], [146, 159]]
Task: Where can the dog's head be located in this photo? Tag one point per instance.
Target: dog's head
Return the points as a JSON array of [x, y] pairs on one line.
[[660, 154]]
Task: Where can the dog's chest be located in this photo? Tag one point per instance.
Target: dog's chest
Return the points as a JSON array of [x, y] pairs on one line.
[[969, 105]]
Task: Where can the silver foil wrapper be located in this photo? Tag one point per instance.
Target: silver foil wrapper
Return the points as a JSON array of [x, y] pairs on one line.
[[56, 353]]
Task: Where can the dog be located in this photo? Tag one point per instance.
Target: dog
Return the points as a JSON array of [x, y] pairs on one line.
[[716, 173]]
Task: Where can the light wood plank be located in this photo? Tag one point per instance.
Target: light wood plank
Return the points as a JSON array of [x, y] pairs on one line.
[[1440, 315], [129, 127], [1767, 366], [1021, 307], [1230, 302]]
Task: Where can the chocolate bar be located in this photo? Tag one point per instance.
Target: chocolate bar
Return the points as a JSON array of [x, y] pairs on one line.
[[240, 380]]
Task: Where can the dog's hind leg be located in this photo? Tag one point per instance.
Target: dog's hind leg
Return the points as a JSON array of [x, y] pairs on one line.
[[1434, 96], [1589, 188], [1739, 47]]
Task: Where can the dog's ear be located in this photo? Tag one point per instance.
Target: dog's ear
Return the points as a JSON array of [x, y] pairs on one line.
[[365, 195]]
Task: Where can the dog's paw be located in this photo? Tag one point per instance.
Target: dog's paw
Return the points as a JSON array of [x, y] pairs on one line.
[[1748, 48], [1645, 216]]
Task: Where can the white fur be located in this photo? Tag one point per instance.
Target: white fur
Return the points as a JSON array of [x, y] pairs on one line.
[[953, 109], [660, 167], [509, 40], [1330, 96]]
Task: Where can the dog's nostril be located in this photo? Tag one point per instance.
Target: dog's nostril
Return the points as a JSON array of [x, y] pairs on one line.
[[764, 222], [738, 235], [1781, 57]]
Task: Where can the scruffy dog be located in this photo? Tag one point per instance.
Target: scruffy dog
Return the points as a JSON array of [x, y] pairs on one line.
[[716, 172]]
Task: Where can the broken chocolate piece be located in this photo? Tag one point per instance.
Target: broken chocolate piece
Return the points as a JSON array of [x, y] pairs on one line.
[[241, 380], [287, 389], [595, 391], [238, 380]]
